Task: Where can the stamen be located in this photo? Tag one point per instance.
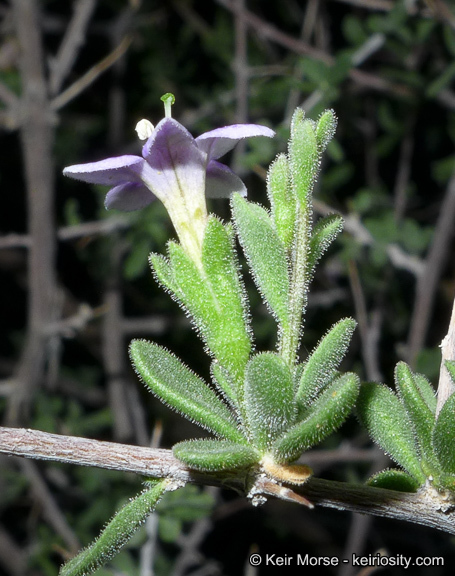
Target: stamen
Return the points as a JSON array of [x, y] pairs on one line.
[[144, 129]]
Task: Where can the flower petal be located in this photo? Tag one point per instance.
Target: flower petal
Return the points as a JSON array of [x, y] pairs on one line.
[[128, 197], [219, 141], [221, 182], [108, 172], [175, 167]]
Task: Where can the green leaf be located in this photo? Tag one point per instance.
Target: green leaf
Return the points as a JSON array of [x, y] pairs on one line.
[[282, 200], [325, 129], [225, 383], [450, 365], [178, 387], [266, 255], [162, 271], [394, 480], [326, 414], [324, 233], [443, 436], [322, 364], [191, 289], [117, 532], [427, 391], [387, 421], [420, 415], [269, 398], [229, 334], [214, 299], [215, 455], [304, 157]]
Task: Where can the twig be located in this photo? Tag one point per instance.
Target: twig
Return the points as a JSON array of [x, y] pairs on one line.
[[425, 507], [427, 283], [445, 386], [369, 330], [67, 233], [352, 224], [12, 557], [50, 510], [113, 348], [263, 28], [241, 72], [61, 65], [89, 77], [37, 146]]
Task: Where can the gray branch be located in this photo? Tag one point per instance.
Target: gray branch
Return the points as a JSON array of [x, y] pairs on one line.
[[426, 507]]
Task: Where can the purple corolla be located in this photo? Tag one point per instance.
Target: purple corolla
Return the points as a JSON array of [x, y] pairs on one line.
[[176, 168]]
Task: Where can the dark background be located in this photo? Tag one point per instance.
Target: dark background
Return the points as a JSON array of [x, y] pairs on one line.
[[387, 68]]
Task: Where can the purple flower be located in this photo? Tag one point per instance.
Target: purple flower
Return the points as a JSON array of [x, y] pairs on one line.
[[176, 168]]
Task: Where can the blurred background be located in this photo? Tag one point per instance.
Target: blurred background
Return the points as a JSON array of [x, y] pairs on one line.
[[75, 77]]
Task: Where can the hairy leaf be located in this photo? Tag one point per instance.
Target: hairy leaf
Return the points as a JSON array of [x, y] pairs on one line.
[[117, 532], [321, 366], [325, 129], [266, 255], [450, 365], [324, 233], [269, 398], [178, 387], [229, 334], [162, 270], [387, 421], [427, 391], [282, 200], [326, 414], [304, 157], [215, 455], [443, 440], [419, 413], [225, 383], [394, 480]]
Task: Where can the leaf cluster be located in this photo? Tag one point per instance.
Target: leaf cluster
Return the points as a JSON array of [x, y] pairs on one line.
[[264, 408], [407, 427]]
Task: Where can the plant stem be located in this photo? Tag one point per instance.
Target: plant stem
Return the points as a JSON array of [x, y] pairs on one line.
[[290, 335], [425, 507]]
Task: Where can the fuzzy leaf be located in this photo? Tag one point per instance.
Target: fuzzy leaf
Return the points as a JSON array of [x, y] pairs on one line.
[[265, 254], [191, 289], [450, 365], [269, 398], [427, 391], [117, 532], [163, 271], [230, 337], [394, 480], [386, 420], [324, 233], [199, 293], [325, 129], [282, 200], [225, 383], [178, 387], [447, 481], [215, 455], [304, 157], [420, 415], [326, 414], [443, 435], [321, 366]]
